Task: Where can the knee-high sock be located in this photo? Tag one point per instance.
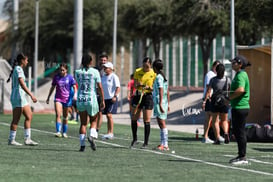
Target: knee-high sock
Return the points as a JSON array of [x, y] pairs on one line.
[[147, 128], [165, 136], [134, 129]]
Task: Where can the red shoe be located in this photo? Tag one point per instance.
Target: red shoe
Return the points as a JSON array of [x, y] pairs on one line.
[[160, 147]]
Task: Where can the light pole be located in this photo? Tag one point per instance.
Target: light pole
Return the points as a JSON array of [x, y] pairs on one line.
[[115, 32], [78, 33], [36, 47]]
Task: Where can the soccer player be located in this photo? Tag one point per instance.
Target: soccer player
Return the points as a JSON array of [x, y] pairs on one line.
[[161, 100], [143, 100], [19, 101], [63, 82], [89, 82]]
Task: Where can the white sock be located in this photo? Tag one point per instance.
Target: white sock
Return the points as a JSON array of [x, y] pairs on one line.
[[165, 134], [12, 135], [93, 132], [161, 137], [82, 139], [27, 133]]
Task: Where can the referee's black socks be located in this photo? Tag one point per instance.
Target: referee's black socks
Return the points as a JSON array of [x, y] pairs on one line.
[[134, 129], [147, 128]]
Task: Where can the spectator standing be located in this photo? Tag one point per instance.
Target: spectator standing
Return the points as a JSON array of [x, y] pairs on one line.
[[239, 100], [219, 84], [207, 105], [103, 58], [111, 88]]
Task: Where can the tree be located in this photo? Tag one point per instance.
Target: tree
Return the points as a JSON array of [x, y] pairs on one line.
[[147, 19], [56, 27], [203, 18]]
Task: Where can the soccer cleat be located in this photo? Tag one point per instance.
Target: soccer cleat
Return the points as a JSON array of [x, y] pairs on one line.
[[58, 134], [82, 148], [221, 139], [13, 142], [134, 143], [207, 140], [144, 146], [166, 148], [30, 142], [92, 143], [65, 135], [238, 161], [108, 136], [160, 147], [226, 136]]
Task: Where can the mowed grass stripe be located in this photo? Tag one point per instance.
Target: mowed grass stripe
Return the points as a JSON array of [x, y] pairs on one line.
[[163, 153]]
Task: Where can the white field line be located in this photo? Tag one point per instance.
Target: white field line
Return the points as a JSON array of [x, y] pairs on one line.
[[166, 154]]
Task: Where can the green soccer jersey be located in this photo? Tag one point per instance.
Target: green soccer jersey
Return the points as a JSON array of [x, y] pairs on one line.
[[87, 80], [18, 95]]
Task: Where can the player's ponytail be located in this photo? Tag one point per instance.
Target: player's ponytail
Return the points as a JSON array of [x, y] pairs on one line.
[[16, 62]]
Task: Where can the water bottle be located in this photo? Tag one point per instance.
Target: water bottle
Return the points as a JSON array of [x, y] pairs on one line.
[[196, 134]]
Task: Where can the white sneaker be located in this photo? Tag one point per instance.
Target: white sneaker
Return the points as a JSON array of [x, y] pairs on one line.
[[108, 136], [30, 142], [207, 140], [65, 135], [13, 142], [58, 134], [221, 139]]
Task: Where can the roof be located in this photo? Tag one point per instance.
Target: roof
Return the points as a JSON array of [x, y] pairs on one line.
[[262, 48], [3, 25]]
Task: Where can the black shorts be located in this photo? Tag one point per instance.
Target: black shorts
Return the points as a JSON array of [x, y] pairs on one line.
[[146, 103], [223, 109], [98, 99], [208, 105], [110, 107]]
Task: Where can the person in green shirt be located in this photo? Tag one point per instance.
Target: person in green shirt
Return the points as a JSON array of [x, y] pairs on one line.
[[239, 100]]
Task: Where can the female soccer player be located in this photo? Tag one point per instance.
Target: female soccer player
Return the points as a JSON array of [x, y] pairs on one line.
[[88, 78], [19, 101], [63, 82], [161, 100]]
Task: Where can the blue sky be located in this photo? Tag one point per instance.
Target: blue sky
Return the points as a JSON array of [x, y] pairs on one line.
[[1, 7]]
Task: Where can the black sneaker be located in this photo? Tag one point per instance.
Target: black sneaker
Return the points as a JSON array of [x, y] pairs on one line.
[[144, 146], [133, 143], [92, 143], [217, 142], [82, 148], [226, 136], [238, 161]]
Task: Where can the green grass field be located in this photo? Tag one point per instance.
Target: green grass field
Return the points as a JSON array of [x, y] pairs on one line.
[[58, 159]]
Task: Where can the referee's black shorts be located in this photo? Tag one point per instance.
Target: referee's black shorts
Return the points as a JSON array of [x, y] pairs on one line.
[[146, 103]]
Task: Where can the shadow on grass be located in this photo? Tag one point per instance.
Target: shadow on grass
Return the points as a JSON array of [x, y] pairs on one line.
[[263, 149], [183, 139]]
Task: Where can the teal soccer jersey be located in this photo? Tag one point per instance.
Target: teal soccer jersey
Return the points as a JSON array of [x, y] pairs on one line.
[[160, 83], [87, 95], [18, 95]]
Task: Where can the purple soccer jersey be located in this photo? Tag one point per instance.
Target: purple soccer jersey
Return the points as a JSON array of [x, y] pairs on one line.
[[63, 87]]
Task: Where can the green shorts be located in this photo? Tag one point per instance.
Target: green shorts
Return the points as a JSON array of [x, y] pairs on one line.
[[21, 102], [158, 113], [92, 109]]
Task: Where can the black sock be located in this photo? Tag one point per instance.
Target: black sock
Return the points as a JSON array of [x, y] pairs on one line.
[[134, 129], [147, 128]]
